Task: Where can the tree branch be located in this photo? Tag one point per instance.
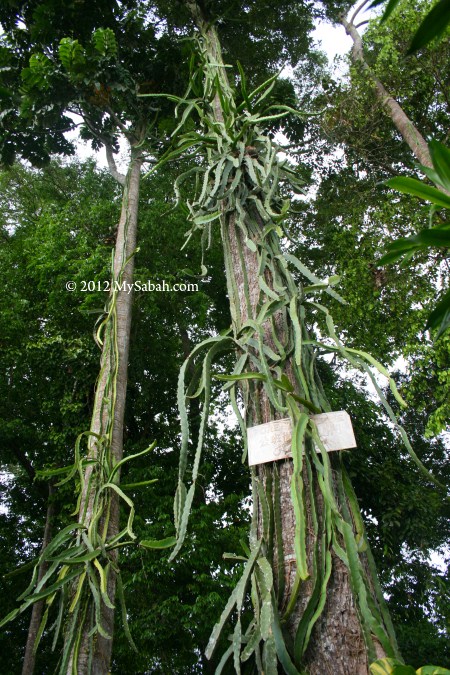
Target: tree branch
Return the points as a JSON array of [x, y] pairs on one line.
[[403, 124], [126, 132], [357, 10], [119, 177]]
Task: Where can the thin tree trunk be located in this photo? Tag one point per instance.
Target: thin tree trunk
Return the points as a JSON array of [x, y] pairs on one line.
[[125, 247], [410, 134], [38, 607], [337, 645]]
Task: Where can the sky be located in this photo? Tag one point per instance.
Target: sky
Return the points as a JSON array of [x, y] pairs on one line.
[[333, 39]]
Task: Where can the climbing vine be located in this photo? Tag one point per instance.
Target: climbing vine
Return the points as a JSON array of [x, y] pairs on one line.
[[239, 178], [82, 557]]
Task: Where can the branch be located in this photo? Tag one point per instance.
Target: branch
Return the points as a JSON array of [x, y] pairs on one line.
[[411, 135], [119, 177], [357, 10], [126, 132], [29, 470]]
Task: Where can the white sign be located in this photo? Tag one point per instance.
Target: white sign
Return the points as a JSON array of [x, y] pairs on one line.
[[272, 441]]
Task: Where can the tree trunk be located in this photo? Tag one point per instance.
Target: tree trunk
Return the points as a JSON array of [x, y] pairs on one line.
[[340, 644], [112, 366], [337, 645], [38, 607], [410, 134]]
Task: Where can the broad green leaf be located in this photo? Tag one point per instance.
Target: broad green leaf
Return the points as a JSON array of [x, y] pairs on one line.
[[391, 5], [417, 188], [105, 41], [440, 156], [72, 55], [433, 25], [440, 316], [434, 236]]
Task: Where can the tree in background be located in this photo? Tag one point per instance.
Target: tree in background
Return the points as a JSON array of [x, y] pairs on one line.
[[59, 223], [344, 232]]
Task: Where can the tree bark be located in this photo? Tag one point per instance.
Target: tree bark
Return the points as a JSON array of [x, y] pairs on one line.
[[410, 134], [122, 274], [337, 644], [38, 607]]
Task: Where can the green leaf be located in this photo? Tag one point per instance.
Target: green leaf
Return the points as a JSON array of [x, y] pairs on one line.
[[123, 610], [282, 652], [235, 598], [72, 55], [417, 188], [440, 316], [132, 486], [168, 542], [208, 218], [105, 42], [284, 384], [432, 670], [433, 236], [440, 156], [433, 25], [312, 277], [392, 4], [242, 376]]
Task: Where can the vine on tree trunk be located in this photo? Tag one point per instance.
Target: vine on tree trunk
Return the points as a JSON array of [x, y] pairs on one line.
[[81, 559], [239, 174]]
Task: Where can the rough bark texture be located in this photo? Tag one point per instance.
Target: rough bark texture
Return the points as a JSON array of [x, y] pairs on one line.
[[125, 246], [38, 607], [411, 135], [337, 645]]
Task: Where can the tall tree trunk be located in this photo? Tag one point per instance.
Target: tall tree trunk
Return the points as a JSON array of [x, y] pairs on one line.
[[114, 366], [409, 132], [339, 644], [38, 607]]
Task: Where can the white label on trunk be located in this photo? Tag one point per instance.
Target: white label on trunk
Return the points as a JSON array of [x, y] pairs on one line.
[[268, 442], [272, 441]]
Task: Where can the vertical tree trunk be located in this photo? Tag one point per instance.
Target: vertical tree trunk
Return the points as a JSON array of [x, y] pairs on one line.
[[112, 367], [38, 607], [409, 132], [337, 645], [340, 644]]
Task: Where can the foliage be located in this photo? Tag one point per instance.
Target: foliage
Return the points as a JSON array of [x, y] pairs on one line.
[[391, 666], [433, 25], [342, 231], [439, 235], [240, 180], [355, 115], [58, 228]]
